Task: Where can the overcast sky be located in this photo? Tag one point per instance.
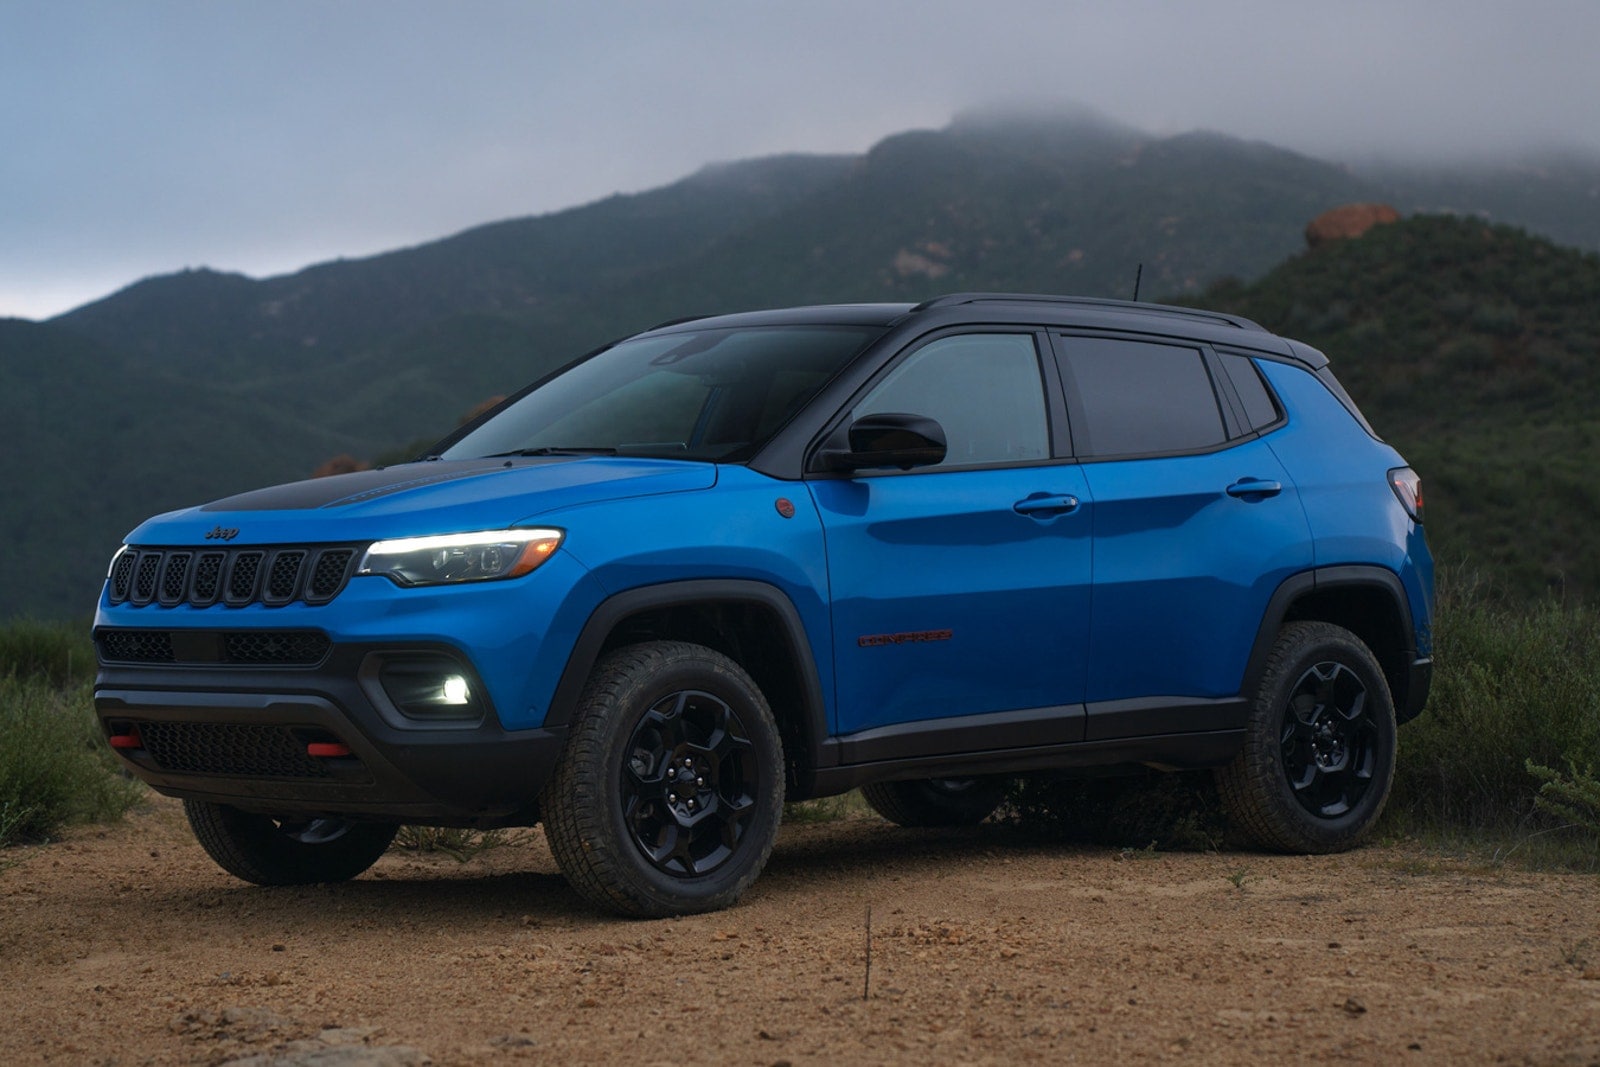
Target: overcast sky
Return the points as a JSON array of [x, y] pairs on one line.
[[140, 137]]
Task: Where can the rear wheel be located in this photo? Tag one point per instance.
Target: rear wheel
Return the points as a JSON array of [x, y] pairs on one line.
[[269, 851], [1319, 751], [937, 801], [667, 798]]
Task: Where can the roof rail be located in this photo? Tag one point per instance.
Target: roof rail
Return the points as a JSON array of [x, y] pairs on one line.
[[951, 299]]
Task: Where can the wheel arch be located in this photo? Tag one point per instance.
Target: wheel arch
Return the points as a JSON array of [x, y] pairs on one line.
[[1368, 601], [753, 623]]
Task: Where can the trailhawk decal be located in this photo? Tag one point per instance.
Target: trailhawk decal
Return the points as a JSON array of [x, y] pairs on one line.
[[911, 638]]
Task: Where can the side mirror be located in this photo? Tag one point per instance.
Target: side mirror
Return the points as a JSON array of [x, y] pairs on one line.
[[889, 439]]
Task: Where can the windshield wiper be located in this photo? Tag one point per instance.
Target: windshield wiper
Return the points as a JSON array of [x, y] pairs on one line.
[[553, 450]]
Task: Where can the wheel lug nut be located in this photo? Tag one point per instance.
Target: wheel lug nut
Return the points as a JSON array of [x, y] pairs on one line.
[[699, 781]]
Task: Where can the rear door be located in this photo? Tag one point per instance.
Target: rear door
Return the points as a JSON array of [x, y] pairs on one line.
[[1195, 523]]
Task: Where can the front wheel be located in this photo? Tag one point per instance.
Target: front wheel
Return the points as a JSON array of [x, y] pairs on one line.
[[667, 797], [1319, 749], [268, 851]]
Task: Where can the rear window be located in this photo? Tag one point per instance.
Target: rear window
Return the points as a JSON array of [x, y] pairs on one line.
[[1141, 398]]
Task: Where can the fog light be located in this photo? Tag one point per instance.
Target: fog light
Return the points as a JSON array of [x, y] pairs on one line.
[[454, 690], [428, 687]]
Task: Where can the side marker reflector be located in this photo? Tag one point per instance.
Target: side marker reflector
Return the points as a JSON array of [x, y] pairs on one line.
[[327, 749]]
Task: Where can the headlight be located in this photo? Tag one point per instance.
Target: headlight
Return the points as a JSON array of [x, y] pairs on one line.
[[465, 557]]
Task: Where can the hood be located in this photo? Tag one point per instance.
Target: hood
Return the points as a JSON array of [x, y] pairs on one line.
[[420, 498]]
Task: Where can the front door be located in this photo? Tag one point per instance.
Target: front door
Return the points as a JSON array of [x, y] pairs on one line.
[[963, 588]]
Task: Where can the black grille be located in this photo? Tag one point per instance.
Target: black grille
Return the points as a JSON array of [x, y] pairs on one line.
[[230, 748], [243, 569], [144, 579], [122, 575], [207, 577], [283, 577], [235, 576], [290, 647], [249, 648], [175, 577], [329, 574], [135, 646]]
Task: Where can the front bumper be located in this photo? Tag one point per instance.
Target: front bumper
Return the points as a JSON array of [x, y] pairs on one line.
[[247, 738]]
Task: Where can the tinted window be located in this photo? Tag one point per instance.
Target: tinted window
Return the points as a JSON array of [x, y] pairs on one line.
[[1141, 398], [983, 389], [1259, 409], [708, 394]]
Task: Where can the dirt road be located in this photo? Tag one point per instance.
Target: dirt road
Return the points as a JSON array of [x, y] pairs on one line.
[[125, 945]]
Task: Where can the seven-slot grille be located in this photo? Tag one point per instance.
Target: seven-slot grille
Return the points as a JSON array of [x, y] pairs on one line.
[[233, 576]]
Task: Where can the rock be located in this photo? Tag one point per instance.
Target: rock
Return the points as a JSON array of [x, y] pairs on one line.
[[343, 463], [1351, 220]]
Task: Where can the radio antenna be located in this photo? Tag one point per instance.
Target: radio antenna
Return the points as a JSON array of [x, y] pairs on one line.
[[1137, 275]]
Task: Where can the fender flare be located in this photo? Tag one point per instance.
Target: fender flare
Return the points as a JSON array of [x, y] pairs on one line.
[[620, 606], [1320, 579]]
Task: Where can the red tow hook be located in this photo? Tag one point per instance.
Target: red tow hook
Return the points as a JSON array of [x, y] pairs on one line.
[[327, 749], [128, 740]]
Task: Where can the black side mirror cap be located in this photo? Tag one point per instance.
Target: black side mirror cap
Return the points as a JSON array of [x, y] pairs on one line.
[[889, 439]]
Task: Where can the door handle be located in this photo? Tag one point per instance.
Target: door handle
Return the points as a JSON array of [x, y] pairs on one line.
[[1046, 505], [1254, 487]]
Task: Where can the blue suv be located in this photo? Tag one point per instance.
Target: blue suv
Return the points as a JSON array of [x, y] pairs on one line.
[[919, 550]]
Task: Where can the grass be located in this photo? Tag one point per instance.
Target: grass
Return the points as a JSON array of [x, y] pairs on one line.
[[459, 844], [55, 768], [1515, 710]]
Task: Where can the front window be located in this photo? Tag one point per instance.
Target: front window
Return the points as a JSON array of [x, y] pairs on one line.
[[716, 394]]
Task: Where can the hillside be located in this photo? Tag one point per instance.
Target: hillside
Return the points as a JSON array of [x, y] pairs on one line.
[[193, 385], [1475, 350]]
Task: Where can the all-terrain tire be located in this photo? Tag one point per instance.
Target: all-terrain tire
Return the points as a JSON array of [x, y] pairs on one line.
[[1318, 758], [667, 796], [268, 851], [937, 801]]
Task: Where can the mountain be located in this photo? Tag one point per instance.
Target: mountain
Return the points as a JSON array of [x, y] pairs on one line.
[[1475, 350], [197, 384]]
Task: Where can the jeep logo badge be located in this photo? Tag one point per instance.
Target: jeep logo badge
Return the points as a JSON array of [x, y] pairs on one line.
[[220, 533]]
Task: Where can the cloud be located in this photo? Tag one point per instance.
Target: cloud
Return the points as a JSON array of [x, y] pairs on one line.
[[145, 138]]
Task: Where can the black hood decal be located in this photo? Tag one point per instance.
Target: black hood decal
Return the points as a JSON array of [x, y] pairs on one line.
[[341, 490]]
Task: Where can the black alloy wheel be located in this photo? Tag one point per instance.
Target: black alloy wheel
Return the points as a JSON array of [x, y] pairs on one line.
[[1330, 741], [688, 792]]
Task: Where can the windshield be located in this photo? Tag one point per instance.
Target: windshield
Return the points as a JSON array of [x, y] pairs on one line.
[[708, 394]]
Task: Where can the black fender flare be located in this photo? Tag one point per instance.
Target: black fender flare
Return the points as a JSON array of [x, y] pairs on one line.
[[1321, 579], [620, 606]]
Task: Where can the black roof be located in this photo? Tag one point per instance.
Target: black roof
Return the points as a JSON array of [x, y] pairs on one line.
[[888, 314]]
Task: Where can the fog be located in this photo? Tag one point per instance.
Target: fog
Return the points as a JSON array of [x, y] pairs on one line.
[[142, 139]]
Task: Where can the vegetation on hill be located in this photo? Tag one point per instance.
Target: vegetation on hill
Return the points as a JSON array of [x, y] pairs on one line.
[[1475, 350]]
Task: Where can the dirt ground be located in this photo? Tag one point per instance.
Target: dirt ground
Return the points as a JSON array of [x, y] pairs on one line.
[[125, 945]]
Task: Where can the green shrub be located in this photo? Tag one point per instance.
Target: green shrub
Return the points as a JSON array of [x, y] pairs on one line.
[[459, 844], [1574, 796], [57, 652], [1513, 686], [55, 768]]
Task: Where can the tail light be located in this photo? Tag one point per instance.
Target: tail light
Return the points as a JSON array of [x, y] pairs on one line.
[[1407, 485]]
